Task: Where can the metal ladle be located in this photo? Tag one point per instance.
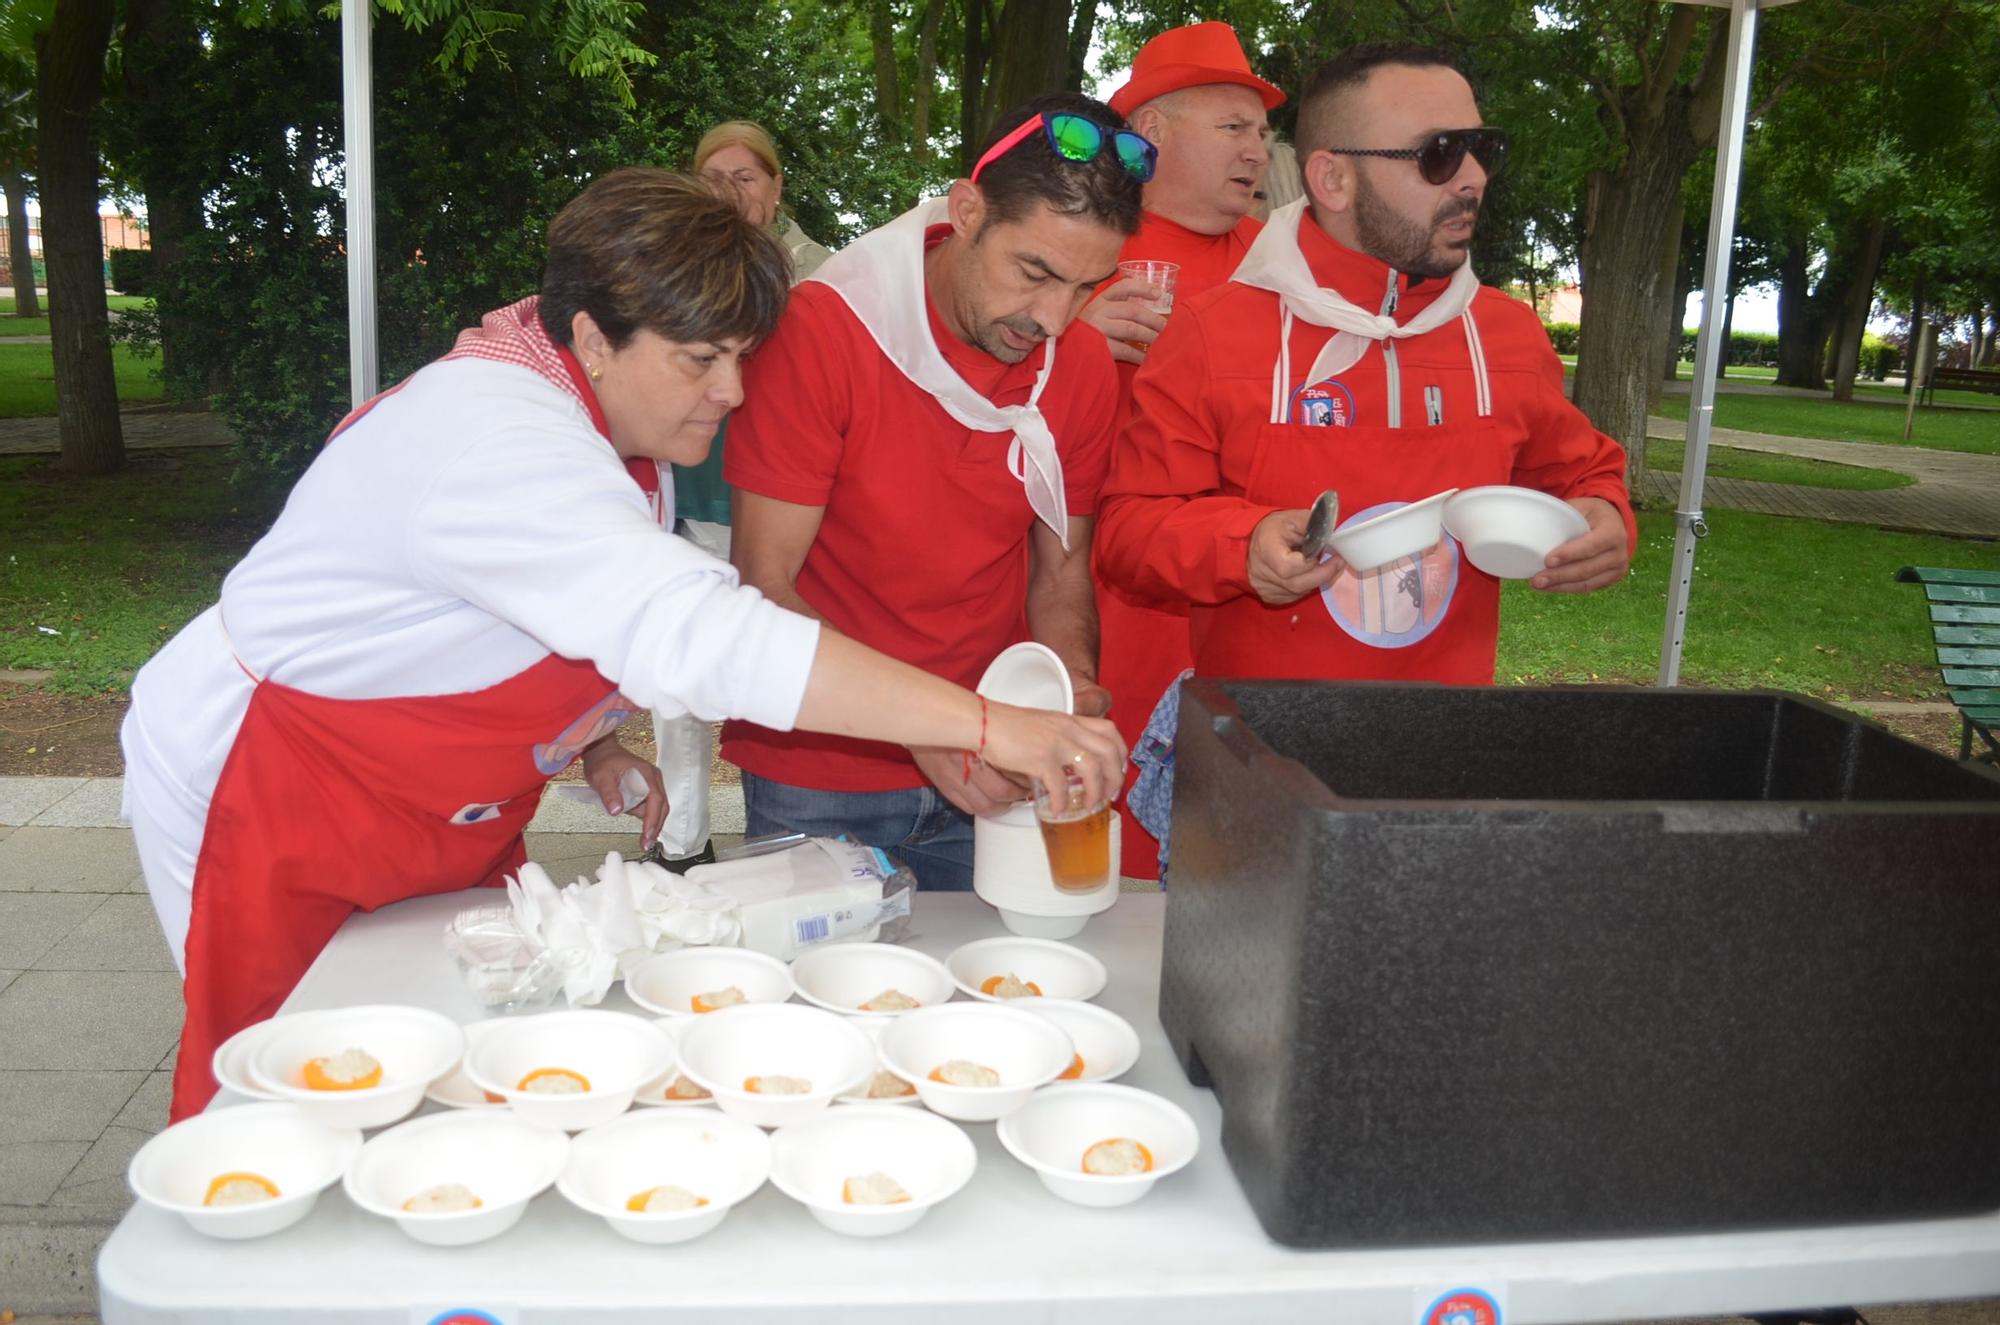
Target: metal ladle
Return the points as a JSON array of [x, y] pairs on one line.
[[1320, 522]]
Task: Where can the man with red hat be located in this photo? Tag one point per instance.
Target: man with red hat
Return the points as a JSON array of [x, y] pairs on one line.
[[1193, 95]]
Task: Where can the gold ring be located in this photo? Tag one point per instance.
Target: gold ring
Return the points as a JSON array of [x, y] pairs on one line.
[[1078, 758]]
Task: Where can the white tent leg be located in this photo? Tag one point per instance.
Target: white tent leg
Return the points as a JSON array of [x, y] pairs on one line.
[[356, 83]]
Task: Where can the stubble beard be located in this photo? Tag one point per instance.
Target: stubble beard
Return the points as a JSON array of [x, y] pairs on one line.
[[1413, 249]]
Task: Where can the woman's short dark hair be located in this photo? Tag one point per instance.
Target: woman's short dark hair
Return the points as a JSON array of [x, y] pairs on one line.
[[645, 248], [1030, 172]]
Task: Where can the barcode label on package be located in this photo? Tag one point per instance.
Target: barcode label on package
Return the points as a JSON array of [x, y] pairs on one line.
[[811, 929]]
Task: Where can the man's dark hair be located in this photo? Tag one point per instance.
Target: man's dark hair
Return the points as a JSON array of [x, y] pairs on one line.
[[1030, 172], [1321, 124]]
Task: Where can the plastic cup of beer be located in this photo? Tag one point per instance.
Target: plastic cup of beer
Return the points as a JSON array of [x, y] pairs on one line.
[[1077, 836], [1162, 276]]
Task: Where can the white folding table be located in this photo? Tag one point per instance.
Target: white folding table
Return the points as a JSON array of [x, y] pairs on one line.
[[1003, 1251]]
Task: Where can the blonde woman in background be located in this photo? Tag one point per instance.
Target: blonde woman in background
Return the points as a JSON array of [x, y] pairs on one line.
[[742, 156]]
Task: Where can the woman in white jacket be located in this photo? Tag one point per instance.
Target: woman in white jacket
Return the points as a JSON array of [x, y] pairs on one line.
[[470, 589]]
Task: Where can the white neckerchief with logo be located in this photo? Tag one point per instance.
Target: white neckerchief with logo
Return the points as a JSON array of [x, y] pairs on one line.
[[1276, 263], [881, 278]]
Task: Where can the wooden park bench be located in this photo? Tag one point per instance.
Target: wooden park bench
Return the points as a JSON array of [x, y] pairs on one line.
[[1965, 620], [1986, 380]]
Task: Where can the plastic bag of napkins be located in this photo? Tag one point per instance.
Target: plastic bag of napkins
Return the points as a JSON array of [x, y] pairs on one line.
[[583, 937]]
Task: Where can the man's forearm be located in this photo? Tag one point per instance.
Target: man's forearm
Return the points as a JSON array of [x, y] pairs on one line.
[[1062, 613]]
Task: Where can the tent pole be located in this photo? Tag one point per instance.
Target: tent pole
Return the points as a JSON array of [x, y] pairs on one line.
[[358, 121], [1709, 351]]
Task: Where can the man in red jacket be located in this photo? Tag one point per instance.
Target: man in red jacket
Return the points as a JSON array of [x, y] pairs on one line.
[[1193, 95], [1354, 350]]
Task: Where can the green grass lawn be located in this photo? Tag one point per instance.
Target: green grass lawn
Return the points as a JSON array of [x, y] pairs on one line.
[[1776, 602], [1853, 421], [116, 564], [28, 382], [1763, 467], [22, 326]]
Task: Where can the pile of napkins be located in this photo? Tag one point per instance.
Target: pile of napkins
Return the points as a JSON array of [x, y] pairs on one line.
[[594, 932]]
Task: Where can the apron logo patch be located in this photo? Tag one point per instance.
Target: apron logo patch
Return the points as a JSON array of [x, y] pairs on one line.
[[1400, 604], [478, 813], [596, 722], [1327, 404]]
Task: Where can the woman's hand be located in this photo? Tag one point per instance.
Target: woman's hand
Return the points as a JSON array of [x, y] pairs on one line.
[[1041, 744], [605, 763]]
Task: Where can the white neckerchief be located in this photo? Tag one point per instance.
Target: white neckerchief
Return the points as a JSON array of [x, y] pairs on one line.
[[881, 278], [1275, 263]]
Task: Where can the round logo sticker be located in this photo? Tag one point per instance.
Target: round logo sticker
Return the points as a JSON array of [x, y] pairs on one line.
[[1400, 604], [1462, 1306]]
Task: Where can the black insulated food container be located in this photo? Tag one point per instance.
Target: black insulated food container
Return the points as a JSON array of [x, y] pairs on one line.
[[1496, 964]]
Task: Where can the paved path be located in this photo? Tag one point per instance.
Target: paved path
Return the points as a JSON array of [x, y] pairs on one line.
[[1955, 493], [145, 430]]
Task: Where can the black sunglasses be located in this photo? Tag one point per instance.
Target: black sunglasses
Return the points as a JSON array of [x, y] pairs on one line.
[[1444, 152]]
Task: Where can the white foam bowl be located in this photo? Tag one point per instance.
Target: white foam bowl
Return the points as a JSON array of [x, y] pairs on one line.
[[1509, 532], [720, 1051], [172, 1171], [1050, 1133], [840, 977], [1369, 544], [666, 985], [930, 1158], [454, 1089], [654, 1092], [1026, 1050], [1056, 969], [873, 1026], [615, 1052], [414, 1046], [505, 1161], [1030, 676], [231, 1061], [721, 1159], [1106, 1041]]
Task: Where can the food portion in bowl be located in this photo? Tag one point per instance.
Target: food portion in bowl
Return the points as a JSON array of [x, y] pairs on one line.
[[777, 1085], [1117, 1157], [350, 1069], [873, 1189], [886, 1085], [444, 1198], [1010, 985], [554, 1081], [667, 1199], [960, 1072], [891, 1000], [240, 1188], [717, 999]]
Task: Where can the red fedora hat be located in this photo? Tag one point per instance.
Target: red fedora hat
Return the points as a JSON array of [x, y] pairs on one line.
[[1193, 56]]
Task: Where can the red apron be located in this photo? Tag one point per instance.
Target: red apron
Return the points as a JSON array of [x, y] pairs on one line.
[[329, 806], [1432, 617]]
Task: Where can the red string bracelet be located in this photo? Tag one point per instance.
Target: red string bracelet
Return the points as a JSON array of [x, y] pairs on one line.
[[981, 753]]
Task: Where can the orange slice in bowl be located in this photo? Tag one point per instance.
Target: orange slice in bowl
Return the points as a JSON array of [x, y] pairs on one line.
[[1117, 1156], [992, 983], [580, 1084], [240, 1189], [1074, 1070], [351, 1069]]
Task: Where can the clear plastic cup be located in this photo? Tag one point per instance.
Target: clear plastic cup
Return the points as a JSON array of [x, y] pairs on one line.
[[1162, 276], [1077, 836]]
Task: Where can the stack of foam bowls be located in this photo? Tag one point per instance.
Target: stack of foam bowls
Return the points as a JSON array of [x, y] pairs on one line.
[[1508, 532], [1010, 866], [1051, 1132], [275, 1142], [1026, 1051], [1054, 970], [454, 1089], [720, 1160], [813, 1161], [614, 1052], [667, 985], [1372, 543], [723, 1051], [504, 1161], [414, 1046]]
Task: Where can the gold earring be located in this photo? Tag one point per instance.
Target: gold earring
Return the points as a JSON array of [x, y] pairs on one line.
[[595, 372]]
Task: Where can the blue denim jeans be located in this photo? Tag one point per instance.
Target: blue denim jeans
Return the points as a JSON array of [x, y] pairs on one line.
[[921, 828]]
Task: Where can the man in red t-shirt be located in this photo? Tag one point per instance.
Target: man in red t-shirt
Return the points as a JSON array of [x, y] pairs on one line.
[[917, 464], [1192, 94]]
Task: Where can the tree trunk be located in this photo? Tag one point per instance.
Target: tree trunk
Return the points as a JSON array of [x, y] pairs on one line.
[[1032, 58], [1854, 318], [161, 52], [1910, 342], [1081, 23], [1801, 324], [972, 85], [926, 90], [1631, 210], [888, 97], [1678, 277], [69, 81], [20, 259]]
